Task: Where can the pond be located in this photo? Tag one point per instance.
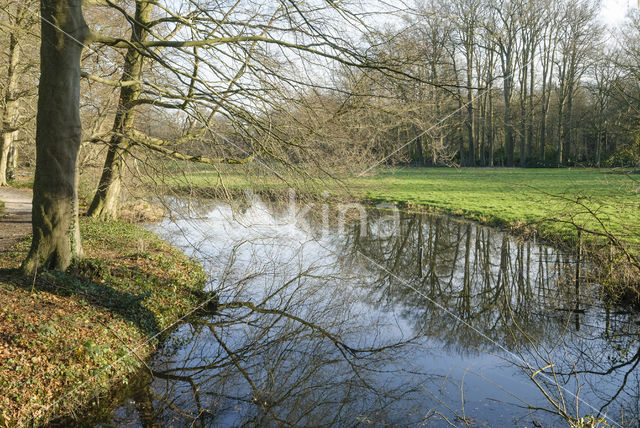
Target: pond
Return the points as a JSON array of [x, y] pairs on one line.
[[386, 319]]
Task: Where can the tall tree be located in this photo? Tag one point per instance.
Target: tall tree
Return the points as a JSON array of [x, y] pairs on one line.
[[580, 34], [104, 203], [503, 25], [466, 15], [547, 60], [56, 236]]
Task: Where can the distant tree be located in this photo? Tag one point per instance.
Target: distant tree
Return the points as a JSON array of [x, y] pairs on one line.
[[504, 28], [579, 35], [18, 27]]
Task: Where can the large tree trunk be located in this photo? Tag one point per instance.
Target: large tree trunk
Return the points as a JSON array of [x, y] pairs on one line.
[[105, 202], [56, 237], [10, 115]]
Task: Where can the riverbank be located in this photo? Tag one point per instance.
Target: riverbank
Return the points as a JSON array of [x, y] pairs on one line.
[[69, 340], [596, 208], [548, 201], [590, 211]]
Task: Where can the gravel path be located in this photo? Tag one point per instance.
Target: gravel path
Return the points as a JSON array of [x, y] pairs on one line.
[[15, 220]]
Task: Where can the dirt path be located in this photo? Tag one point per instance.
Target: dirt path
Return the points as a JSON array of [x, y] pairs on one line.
[[15, 220]]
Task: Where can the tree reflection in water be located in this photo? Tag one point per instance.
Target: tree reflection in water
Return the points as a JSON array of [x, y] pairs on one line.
[[320, 328]]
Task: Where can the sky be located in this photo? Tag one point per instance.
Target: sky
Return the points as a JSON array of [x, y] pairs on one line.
[[613, 11]]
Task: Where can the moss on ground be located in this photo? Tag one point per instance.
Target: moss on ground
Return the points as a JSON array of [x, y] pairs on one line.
[[67, 339]]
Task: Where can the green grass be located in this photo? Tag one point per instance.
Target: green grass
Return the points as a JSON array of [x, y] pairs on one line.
[[525, 200], [540, 198], [1, 207]]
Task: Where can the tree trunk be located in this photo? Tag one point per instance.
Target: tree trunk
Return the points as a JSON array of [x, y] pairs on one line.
[[56, 236], [12, 162], [507, 80], [523, 111], [483, 131], [567, 125], [5, 146], [10, 115], [419, 151], [470, 124], [459, 134], [530, 151], [105, 202], [560, 141], [508, 127], [490, 135]]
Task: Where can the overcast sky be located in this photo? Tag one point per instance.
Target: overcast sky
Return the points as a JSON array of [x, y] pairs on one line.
[[613, 11]]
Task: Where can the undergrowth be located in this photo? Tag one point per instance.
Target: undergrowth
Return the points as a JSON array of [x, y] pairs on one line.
[[68, 339]]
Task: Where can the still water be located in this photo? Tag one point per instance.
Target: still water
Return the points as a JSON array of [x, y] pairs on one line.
[[397, 320]]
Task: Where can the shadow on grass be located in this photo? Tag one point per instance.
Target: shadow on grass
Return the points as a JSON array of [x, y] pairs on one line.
[[92, 280], [126, 292]]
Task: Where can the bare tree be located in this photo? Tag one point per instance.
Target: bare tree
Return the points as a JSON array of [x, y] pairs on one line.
[[504, 28], [18, 26], [579, 35], [207, 62]]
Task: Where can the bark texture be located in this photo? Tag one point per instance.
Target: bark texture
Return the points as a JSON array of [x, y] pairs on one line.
[[105, 202], [56, 237]]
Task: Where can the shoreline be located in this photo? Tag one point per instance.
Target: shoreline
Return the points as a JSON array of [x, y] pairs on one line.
[[71, 340], [611, 257]]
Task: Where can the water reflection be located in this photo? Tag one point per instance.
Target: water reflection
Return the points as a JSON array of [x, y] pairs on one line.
[[429, 320]]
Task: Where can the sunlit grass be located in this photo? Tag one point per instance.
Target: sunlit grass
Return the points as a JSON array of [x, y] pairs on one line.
[[507, 196], [542, 199]]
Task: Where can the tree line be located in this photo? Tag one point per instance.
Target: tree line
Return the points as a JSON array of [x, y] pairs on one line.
[[530, 84]]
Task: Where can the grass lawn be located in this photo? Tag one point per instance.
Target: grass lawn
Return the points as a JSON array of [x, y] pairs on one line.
[[540, 200], [510, 197], [67, 338]]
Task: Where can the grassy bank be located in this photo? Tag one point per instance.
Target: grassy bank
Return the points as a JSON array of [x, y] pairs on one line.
[[68, 339], [545, 199], [555, 204], [551, 203]]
